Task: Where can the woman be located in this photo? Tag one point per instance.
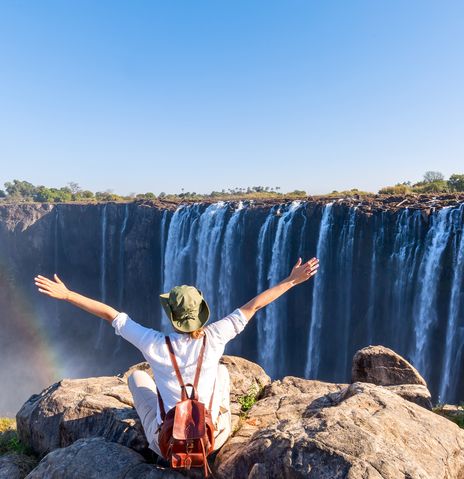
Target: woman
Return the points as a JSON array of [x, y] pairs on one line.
[[188, 312]]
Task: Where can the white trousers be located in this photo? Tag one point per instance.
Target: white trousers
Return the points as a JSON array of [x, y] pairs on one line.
[[144, 392]]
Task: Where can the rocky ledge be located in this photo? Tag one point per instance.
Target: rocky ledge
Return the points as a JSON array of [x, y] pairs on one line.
[[378, 427]]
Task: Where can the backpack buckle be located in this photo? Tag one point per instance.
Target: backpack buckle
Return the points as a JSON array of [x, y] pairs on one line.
[[189, 446]]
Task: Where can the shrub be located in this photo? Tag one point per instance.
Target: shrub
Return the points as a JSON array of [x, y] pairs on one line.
[[398, 189]]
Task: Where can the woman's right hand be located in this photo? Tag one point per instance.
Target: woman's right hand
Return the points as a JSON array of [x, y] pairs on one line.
[[303, 271], [54, 289]]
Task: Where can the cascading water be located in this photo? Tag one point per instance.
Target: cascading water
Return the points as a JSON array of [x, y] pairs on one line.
[[393, 277], [121, 267], [273, 345], [210, 232], [227, 274], [345, 285], [454, 328], [318, 301], [425, 305], [103, 243]]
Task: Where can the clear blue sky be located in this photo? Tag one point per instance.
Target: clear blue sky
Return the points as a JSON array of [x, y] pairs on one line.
[[149, 95]]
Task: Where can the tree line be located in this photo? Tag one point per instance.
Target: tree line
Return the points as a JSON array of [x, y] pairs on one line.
[[432, 182], [23, 191]]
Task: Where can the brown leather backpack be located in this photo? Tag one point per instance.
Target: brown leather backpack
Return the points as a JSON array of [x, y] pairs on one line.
[[187, 433]]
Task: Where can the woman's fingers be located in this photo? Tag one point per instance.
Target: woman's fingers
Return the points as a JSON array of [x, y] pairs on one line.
[[57, 279], [45, 292]]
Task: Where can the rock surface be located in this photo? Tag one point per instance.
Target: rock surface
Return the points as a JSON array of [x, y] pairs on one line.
[[382, 366], [297, 428], [16, 466], [415, 393], [73, 409], [324, 431], [97, 458]]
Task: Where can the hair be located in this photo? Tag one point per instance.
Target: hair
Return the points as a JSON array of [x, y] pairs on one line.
[[198, 333]]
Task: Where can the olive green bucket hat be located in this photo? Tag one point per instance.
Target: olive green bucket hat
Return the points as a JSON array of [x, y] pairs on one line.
[[186, 308]]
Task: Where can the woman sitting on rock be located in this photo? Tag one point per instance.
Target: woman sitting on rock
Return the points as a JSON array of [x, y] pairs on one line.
[[188, 313]]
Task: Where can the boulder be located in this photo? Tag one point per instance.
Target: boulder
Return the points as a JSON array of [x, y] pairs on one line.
[[415, 393], [97, 458], [16, 466], [305, 428], [382, 366], [245, 377], [73, 409]]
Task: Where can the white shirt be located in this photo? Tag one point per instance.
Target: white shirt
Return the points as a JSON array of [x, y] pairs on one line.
[[152, 345]]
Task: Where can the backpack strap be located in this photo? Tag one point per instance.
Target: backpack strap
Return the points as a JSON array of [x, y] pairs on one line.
[[177, 370], [174, 362], [161, 405], [200, 363]]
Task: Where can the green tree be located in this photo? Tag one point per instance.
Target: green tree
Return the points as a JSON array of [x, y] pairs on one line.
[[44, 195], [20, 190], [456, 182]]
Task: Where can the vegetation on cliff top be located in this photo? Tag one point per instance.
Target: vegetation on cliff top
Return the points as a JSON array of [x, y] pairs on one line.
[[19, 191]]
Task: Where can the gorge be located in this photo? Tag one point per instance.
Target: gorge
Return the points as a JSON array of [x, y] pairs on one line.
[[390, 276]]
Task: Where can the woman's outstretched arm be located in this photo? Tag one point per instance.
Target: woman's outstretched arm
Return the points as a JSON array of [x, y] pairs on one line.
[[57, 289], [299, 274]]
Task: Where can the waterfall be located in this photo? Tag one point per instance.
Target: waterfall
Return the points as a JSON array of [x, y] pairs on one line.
[[227, 279], [121, 266], [263, 265], [273, 346], [378, 246], [103, 245], [453, 329], [210, 232], [318, 302], [345, 285], [122, 255], [425, 305], [402, 269]]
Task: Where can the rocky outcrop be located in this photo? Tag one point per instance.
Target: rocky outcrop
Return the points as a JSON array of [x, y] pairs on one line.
[[297, 428], [382, 366], [73, 409], [16, 466], [329, 432], [97, 458]]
